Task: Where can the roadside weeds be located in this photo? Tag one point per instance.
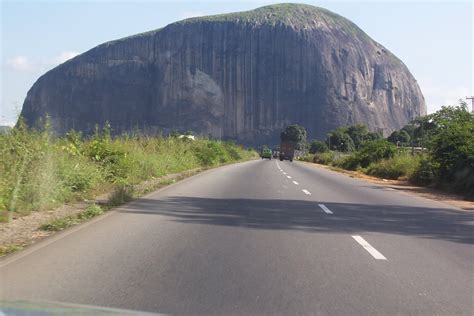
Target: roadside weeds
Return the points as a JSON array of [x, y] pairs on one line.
[[25, 231]]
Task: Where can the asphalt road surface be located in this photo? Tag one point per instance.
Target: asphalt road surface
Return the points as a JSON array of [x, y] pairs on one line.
[[260, 238]]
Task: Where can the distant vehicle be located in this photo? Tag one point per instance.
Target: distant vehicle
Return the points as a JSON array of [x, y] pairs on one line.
[[276, 153], [266, 153], [287, 150]]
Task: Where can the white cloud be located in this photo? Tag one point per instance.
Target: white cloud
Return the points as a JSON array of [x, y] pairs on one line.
[[20, 63], [64, 56], [191, 14], [25, 64]]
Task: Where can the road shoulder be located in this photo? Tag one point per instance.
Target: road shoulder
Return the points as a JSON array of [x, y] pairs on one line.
[[403, 186]]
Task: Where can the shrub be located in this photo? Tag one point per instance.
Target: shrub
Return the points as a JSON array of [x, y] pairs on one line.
[[91, 211], [424, 173], [452, 148], [318, 147], [339, 140], [211, 154], [374, 151], [349, 162], [401, 137], [123, 193], [393, 168], [324, 158]]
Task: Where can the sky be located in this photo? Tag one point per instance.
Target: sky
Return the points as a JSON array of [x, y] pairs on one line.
[[433, 38]]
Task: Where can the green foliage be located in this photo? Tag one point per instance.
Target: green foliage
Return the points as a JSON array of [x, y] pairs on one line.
[[40, 171], [402, 165], [452, 148], [92, 210], [318, 147], [289, 14], [399, 137], [211, 154], [374, 151], [339, 140], [5, 250], [360, 134], [370, 152], [350, 138], [296, 134], [349, 162], [425, 172], [325, 158], [448, 135]]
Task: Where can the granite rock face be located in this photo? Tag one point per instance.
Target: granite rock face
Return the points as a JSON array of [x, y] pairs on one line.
[[241, 76]]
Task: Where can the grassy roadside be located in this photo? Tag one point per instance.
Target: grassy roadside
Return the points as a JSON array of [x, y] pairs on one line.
[[41, 172]]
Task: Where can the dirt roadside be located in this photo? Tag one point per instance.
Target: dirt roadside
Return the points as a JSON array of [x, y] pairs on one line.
[[403, 185]]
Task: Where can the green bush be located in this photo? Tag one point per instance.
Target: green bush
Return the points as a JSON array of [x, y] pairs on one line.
[[339, 140], [374, 151], [393, 168], [91, 211], [318, 147], [307, 158], [349, 162], [425, 173], [324, 158], [452, 148]]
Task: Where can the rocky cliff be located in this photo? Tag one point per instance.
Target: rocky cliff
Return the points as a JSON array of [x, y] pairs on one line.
[[241, 76]]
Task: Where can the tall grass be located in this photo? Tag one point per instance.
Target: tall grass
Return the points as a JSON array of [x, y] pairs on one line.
[[401, 165], [39, 171]]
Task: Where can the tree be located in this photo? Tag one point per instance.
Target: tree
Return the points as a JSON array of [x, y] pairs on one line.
[[359, 134], [339, 140], [374, 151], [399, 136], [318, 147], [294, 133], [452, 147]]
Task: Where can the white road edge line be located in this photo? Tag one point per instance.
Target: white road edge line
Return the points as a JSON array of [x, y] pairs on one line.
[[306, 191], [295, 182], [288, 177], [374, 252], [325, 209]]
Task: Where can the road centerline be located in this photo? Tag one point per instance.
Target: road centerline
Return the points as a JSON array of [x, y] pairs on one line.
[[306, 192], [295, 182], [374, 252], [325, 209], [288, 177]]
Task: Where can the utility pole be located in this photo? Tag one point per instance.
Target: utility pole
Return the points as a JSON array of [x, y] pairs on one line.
[[472, 103]]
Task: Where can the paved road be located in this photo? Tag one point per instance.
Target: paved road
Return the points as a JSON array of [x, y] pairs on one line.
[[260, 237]]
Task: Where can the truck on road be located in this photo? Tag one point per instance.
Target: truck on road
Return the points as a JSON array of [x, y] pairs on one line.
[[287, 150]]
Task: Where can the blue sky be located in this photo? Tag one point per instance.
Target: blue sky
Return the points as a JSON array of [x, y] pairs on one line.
[[434, 39]]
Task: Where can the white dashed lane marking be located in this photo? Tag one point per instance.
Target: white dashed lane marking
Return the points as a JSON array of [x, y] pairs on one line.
[[325, 209], [374, 252], [284, 172], [288, 177], [306, 192], [295, 182]]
